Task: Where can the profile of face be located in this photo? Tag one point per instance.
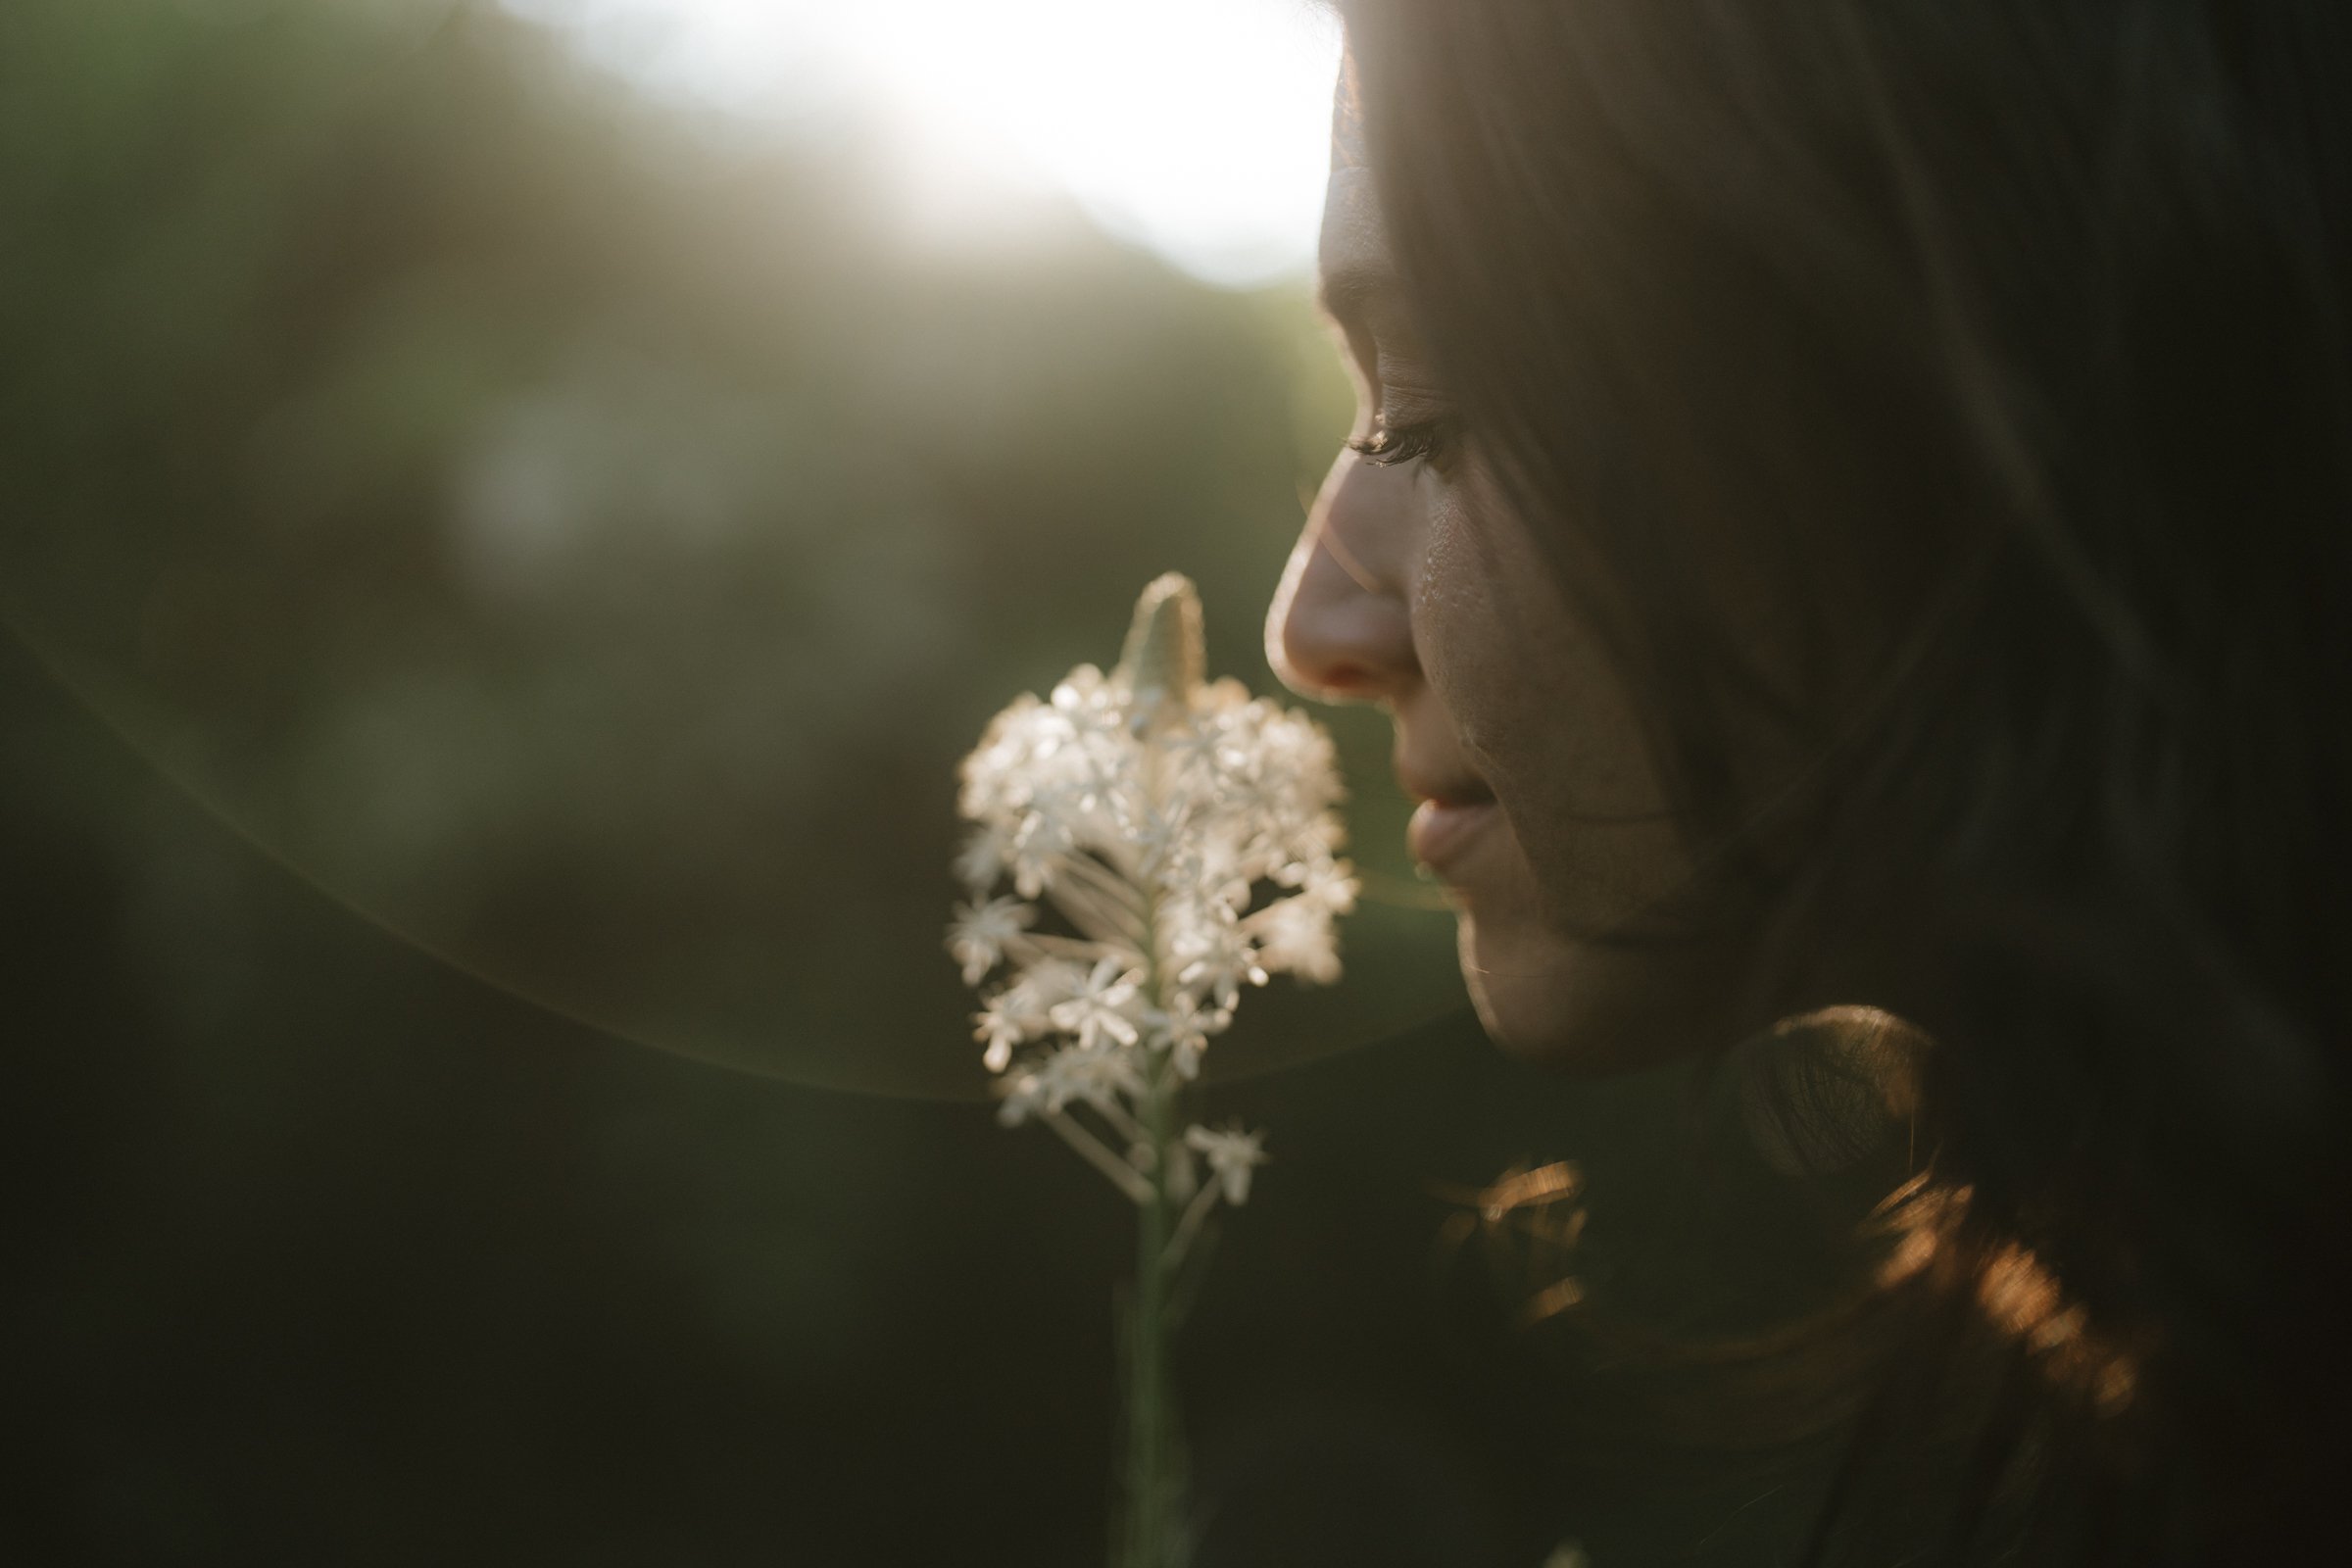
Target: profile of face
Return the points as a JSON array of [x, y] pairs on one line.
[[1414, 587]]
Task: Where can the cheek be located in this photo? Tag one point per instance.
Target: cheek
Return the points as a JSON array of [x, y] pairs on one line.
[[1544, 718], [1536, 700], [1471, 626]]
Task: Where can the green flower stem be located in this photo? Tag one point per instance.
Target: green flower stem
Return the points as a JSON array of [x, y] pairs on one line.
[[1155, 1491], [1188, 1226], [1162, 660]]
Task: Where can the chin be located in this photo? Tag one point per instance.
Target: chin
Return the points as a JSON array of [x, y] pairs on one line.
[[1591, 1009], [1520, 991]]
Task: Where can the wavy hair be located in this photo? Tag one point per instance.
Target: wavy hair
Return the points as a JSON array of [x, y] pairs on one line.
[[2026, 324]]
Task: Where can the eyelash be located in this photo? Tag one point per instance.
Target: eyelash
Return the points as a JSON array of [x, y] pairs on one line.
[[1432, 439]]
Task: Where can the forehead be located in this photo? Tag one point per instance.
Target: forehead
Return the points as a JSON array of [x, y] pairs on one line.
[[1355, 274], [1352, 255]]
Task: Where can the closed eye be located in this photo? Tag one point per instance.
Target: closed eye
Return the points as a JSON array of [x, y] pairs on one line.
[[1391, 444]]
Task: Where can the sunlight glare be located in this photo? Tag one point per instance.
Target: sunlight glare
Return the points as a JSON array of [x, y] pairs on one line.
[[1197, 129]]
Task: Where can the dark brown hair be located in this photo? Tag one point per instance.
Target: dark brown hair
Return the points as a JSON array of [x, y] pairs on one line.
[[2022, 325]]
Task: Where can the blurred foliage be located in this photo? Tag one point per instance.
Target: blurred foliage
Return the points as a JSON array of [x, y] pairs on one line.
[[582, 539], [320, 1252], [583, 536]]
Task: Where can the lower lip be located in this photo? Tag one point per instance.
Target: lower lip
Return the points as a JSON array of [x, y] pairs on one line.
[[1440, 834]]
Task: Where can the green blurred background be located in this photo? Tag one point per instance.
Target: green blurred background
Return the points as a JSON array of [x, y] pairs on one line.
[[582, 535], [501, 572]]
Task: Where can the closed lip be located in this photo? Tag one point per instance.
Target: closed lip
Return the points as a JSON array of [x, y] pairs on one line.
[[1451, 813]]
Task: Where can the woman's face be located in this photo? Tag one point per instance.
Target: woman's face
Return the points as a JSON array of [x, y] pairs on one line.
[[1412, 587]]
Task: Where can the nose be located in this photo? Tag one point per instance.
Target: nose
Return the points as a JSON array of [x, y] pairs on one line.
[[1340, 628]]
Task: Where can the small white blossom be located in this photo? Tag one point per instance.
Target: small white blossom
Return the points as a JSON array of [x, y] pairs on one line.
[[1101, 1008], [1096, 1077], [1182, 1030], [1043, 841], [1232, 1154], [982, 932], [1295, 936], [1041, 985], [1332, 884], [1000, 1027], [1022, 1097], [1217, 955], [981, 861]]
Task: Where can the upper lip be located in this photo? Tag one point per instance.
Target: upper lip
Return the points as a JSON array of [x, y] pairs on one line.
[[1448, 788]]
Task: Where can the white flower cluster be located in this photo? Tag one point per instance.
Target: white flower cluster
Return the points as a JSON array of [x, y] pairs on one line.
[[1168, 841]]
